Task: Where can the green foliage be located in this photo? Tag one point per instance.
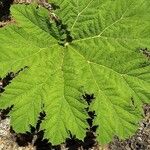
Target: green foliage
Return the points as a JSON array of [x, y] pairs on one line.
[[104, 58]]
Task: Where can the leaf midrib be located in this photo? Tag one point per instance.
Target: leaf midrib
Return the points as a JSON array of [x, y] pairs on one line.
[[109, 26]]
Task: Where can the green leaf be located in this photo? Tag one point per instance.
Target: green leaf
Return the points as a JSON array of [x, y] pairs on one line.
[[104, 58]]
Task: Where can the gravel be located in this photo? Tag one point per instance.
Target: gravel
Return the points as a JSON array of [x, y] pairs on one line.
[[7, 140]]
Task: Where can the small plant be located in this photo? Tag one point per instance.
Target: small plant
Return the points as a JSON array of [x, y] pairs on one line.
[[58, 56]]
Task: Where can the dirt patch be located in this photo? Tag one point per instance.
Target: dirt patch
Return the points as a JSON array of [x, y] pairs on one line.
[[4, 23]]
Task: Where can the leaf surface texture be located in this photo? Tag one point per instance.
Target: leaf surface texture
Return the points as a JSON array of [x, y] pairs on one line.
[[104, 58]]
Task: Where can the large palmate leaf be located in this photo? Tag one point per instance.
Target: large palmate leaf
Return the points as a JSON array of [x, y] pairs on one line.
[[104, 58]]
